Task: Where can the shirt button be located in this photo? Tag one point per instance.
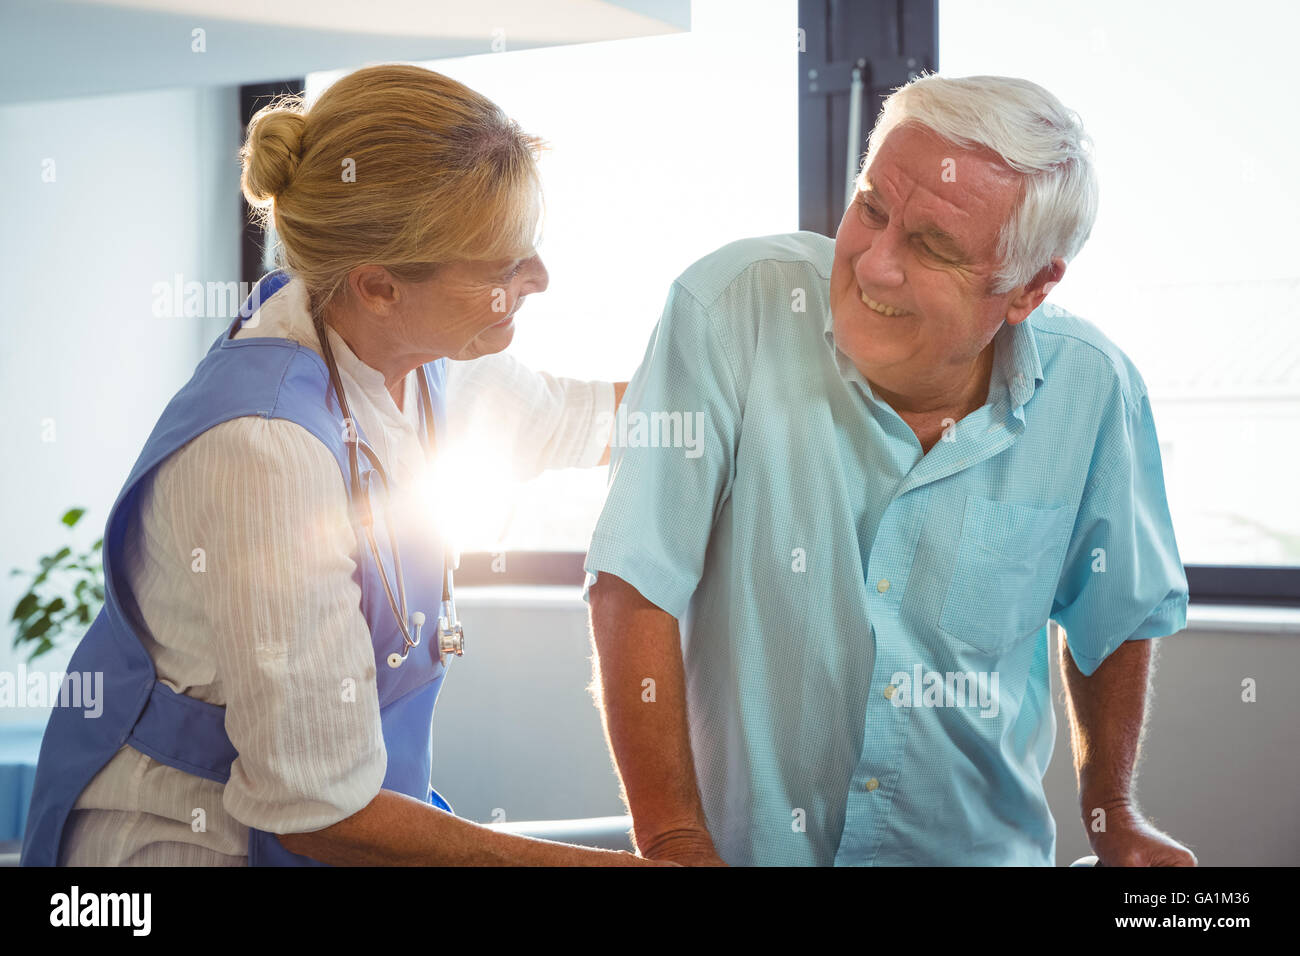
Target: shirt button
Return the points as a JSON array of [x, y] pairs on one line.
[[889, 692], [872, 784], [883, 585]]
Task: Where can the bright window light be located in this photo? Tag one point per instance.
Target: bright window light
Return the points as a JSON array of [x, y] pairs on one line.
[[661, 149], [1193, 267]]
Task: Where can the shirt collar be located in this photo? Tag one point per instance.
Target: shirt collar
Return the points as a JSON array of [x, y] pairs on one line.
[[1017, 370], [286, 315], [1017, 363]]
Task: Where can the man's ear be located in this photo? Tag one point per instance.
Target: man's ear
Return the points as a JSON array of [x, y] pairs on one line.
[[1032, 295]]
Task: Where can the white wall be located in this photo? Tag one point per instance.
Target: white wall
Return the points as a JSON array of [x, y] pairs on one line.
[[1217, 773], [145, 186], [515, 729]]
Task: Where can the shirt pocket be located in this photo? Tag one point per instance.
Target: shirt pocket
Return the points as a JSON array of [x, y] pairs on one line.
[[1006, 571]]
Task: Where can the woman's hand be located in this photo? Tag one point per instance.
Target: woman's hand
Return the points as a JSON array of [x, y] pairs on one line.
[[397, 830], [685, 847], [645, 861]]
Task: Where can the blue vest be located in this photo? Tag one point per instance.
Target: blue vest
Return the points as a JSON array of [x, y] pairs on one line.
[[273, 378]]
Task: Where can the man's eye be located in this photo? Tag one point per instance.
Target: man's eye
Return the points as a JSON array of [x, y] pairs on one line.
[[936, 255], [868, 209]]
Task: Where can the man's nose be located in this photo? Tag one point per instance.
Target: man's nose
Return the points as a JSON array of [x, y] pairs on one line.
[[880, 265]]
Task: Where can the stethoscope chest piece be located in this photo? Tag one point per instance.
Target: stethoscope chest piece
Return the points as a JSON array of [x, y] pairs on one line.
[[451, 636]]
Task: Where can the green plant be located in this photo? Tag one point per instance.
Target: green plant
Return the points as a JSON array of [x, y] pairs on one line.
[[67, 591]]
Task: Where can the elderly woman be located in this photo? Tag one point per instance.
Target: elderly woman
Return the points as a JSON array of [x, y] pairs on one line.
[[271, 560]]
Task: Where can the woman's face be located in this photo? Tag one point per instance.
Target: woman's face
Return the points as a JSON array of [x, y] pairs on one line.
[[469, 307]]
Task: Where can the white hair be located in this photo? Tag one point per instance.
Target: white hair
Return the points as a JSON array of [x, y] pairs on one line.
[[1035, 135]]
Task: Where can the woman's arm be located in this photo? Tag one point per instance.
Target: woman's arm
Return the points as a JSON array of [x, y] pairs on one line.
[[397, 830], [539, 420], [619, 389], [278, 615], [281, 616]]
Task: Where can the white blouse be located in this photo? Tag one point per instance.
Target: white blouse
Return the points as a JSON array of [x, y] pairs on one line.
[[266, 620]]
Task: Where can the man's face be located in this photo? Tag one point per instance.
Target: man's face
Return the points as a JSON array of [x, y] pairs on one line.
[[921, 240]]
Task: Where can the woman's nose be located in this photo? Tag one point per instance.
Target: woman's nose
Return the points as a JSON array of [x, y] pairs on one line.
[[538, 277]]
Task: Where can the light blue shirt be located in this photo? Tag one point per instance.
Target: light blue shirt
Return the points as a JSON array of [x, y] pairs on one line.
[[864, 626]]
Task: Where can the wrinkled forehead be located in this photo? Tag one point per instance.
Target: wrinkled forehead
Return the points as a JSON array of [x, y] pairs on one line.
[[966, 192]]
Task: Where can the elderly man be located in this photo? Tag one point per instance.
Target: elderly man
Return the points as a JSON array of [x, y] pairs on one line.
[[908, 465]]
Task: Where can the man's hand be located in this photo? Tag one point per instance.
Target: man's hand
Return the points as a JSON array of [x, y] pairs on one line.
[[1107, 712], [687, 847], [1129, 840]]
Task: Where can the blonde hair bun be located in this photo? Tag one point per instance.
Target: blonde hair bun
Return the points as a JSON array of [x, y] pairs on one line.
[[272, 150], [394, 165]]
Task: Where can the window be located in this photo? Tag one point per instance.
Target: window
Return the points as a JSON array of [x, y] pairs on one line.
[[1193, 267], [661, 150]]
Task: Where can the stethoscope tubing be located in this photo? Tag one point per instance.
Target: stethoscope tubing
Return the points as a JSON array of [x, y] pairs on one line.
[[448, 618]]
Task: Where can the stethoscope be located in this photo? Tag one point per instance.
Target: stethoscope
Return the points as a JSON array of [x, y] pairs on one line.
[[451, 636]]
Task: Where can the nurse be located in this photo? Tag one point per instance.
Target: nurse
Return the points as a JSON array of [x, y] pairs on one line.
[[250, 714]]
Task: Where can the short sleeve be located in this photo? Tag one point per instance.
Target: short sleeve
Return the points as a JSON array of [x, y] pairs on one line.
[[672, 458], [536, 421], [276, 598], [1123, 578]]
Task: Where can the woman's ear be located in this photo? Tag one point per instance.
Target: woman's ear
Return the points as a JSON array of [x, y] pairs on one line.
[[374, 288]]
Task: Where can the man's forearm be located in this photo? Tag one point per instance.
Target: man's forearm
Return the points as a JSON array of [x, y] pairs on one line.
[[643, 701], [1106, 713]]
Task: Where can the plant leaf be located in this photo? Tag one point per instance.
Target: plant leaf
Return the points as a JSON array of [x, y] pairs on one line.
[[40, 627], [50, 560], [26, 605], [72, 516]]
